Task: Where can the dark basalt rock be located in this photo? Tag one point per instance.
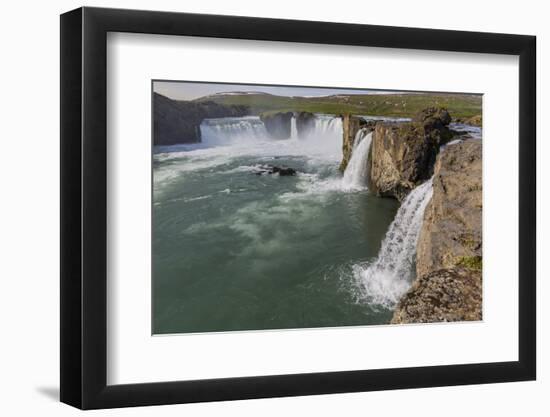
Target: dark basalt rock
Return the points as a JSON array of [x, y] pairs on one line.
[[273, 169], [177, 121], [434, 117]]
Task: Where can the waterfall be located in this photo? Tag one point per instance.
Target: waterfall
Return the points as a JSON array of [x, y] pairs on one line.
[[250, 128], [323, 138], [324, 126], [355, 175], [232, 129], [385, 280], [327, 126], [293, 128]]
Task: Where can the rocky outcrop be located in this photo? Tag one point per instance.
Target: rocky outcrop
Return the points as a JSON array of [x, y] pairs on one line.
[[350, 126], [277, 124], [305, 122], [451, 230], [444, 295], [403, 154], [179, 121], [433, 118], [449, 248]]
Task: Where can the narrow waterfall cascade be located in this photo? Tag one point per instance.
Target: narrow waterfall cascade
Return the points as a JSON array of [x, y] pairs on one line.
[[355, 175], [232, 129], [293, 128], [385, 280]]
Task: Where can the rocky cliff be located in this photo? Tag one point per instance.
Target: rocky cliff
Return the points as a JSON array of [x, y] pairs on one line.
[[179, 121], [451, 231], [403, 154], [449, 248], [277, 124]]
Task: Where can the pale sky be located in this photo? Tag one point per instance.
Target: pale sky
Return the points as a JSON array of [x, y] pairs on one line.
[[181, 90]]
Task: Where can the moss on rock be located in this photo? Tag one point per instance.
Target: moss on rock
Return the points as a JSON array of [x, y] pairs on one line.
[[471, 262]]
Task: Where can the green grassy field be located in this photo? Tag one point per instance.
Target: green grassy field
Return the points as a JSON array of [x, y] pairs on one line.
[[398, 105]]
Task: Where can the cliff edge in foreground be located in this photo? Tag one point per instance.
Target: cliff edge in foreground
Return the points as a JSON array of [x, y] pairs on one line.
[[446, 295], [449, 249]]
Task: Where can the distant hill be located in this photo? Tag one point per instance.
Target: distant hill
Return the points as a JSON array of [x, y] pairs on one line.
[[399, 105]]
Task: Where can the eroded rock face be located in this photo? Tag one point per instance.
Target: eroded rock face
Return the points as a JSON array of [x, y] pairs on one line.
[[443, 295], [277, 124], [177, 121], [350, 126], [451, 230], [403, 154], [449, 248], [433, 117], [402, 158]]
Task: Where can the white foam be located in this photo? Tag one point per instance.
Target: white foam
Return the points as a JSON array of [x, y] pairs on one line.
[[228, 130], [228, 138], [385, 280]]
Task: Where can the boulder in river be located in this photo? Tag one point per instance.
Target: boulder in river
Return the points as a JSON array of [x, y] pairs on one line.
[[273, 169]]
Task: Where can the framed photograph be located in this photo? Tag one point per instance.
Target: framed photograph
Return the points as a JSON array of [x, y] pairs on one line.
[[257, 208]]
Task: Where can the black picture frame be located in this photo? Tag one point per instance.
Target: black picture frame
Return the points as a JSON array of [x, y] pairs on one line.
[[84, 207]]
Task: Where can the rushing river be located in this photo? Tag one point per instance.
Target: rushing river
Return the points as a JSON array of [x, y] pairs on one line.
[[235, 249]]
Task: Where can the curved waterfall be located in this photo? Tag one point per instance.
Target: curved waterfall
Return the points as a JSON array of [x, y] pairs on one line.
[[228, 130], [355, 175], [232, 129], [385, 280]]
